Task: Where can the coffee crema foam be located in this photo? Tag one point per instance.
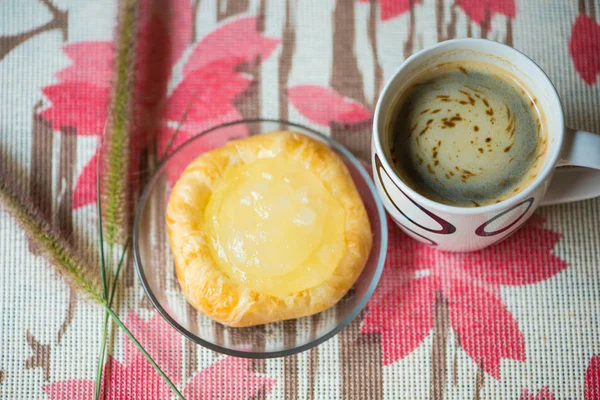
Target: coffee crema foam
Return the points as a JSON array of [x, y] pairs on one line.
[[467, 134]]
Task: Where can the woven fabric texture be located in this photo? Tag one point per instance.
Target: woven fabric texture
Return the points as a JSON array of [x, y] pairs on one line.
[[520, 320]]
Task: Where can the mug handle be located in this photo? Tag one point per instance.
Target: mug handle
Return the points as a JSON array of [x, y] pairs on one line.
[[580, 149]]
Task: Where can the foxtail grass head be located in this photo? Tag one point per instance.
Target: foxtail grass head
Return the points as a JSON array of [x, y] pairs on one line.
[[50, 243]]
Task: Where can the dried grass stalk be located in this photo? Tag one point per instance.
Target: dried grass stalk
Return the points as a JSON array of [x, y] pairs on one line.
[[51, 244], [116, 160]]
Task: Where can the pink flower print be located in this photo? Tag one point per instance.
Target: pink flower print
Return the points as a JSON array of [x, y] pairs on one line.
[[592, 380], [402, 308], [543, 394], [80, 100], [591, 388], [324, 105], [238, 41], [228, 378], [135, 378], [477, 9], [210, 89], [584, 48], [159, 339], [204, 98], [392, 8]]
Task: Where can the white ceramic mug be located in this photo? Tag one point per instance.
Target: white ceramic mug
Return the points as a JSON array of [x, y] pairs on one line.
[[454, 228]]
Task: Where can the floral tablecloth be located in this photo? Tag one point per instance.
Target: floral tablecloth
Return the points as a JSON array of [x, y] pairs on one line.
[[518, 321]]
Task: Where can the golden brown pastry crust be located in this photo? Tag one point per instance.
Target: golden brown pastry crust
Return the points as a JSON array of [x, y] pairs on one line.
[[212, 292]]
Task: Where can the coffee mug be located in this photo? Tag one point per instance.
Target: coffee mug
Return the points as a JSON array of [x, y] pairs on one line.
[[454, 228]]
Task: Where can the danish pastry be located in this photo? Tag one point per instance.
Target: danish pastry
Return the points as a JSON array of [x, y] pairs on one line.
[[267, 228]]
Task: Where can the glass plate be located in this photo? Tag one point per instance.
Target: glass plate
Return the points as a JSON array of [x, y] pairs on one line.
[[156, 270]]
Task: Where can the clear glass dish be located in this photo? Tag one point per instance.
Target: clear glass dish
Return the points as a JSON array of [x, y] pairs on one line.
[[154, 261]]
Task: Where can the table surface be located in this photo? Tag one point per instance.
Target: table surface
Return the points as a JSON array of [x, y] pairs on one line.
[[520, 323]]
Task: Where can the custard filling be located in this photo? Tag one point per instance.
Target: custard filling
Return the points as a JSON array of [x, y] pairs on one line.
[[274, 227]]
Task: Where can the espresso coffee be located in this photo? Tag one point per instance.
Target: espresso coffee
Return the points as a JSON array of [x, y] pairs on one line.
[[467, 134]]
